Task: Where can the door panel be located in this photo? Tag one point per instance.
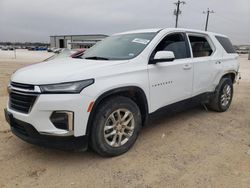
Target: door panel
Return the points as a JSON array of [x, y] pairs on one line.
[[206, 65], [170, 82], [206, 70]]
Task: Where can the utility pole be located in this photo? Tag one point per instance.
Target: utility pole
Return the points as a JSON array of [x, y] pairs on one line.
[[208, 12], [14, 46], [177, 11]]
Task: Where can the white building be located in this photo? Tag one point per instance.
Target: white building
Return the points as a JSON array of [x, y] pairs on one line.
[[75, 41]]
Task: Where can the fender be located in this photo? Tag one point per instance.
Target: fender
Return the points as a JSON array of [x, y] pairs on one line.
[[231, 72], [121, 90], [217, 80]]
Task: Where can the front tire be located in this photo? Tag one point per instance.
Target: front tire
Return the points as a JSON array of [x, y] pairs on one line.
[[223, 96], [115, 127]]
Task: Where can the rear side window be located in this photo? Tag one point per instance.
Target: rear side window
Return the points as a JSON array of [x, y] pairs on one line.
[[200, 46], [226, 44]]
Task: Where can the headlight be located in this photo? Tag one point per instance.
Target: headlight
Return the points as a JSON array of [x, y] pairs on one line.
[[69, 87]]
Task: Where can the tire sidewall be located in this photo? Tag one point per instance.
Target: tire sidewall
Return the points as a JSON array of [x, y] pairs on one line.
[[225, 82], [97, 136]]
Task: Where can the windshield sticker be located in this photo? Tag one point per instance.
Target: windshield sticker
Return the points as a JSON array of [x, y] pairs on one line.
[[141, 41]]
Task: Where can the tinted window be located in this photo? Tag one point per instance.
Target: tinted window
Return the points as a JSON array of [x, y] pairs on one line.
[[200, 46], [226, 44], [175, 43]]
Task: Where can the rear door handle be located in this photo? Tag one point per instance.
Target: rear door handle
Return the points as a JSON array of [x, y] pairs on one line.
[[187, 66]]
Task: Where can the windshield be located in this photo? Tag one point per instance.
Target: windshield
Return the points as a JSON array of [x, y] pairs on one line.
[[120, 47]]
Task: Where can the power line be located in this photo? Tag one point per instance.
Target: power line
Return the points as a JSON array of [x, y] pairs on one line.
[[177, 11], [208, 12]]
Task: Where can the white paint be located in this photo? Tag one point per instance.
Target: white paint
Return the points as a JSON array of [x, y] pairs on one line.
[[163, 83]]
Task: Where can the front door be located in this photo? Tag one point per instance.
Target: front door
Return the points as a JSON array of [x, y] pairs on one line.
[[171, 81]]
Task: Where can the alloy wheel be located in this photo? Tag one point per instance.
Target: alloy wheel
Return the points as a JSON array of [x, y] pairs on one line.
[[119, 127]]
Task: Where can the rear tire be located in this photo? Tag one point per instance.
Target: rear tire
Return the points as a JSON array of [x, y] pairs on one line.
[[223, 96], [115, 127]]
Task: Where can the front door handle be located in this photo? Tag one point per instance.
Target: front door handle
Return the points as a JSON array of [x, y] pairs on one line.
[[187, 66]]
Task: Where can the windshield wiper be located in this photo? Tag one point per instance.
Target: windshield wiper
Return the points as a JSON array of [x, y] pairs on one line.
[[97, 58]]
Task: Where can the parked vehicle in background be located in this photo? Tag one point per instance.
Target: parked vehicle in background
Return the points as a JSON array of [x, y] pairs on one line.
[[41, 48], [78, 53], [104, 99], [11, 48], [31, 48], [51, 49], [242, 50], [37, 48], [57, 50], [66, 53], [5, 48], [8, 48]]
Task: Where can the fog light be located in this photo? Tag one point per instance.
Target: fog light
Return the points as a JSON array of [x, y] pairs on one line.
[[63, 120]]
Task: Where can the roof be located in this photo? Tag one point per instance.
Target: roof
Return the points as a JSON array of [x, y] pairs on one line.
[[80, 35], [153, 30], [170, 29], [195, 31]]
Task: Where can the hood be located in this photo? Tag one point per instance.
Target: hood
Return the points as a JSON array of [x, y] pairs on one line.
[[62, 70]]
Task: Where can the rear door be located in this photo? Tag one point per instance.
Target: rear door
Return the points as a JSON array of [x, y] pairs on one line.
[[171, 81], [206, 63]]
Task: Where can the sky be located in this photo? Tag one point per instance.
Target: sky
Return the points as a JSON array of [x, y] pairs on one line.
[[36, 20]]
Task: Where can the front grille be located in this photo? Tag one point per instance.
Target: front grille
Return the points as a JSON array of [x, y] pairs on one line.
[[21, 102], [22, 86]]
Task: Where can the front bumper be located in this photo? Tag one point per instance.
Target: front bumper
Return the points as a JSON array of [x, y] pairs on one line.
[[46, 104], [28, 133]]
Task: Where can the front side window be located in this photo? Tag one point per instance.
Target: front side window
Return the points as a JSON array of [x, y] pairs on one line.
[[200, 46], [175, 43], [120, 47]]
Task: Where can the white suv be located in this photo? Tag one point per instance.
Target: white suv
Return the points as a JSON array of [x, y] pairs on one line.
[[104, 99]]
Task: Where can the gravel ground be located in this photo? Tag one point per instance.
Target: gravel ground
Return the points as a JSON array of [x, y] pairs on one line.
[[189, 148]]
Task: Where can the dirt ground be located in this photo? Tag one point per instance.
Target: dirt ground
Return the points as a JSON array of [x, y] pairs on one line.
[[191, 148]]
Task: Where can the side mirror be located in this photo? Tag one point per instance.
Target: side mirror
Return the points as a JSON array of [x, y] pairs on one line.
[[163, 56]]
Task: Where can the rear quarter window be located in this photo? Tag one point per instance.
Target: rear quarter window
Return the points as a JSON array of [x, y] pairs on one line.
[[226, 44]]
